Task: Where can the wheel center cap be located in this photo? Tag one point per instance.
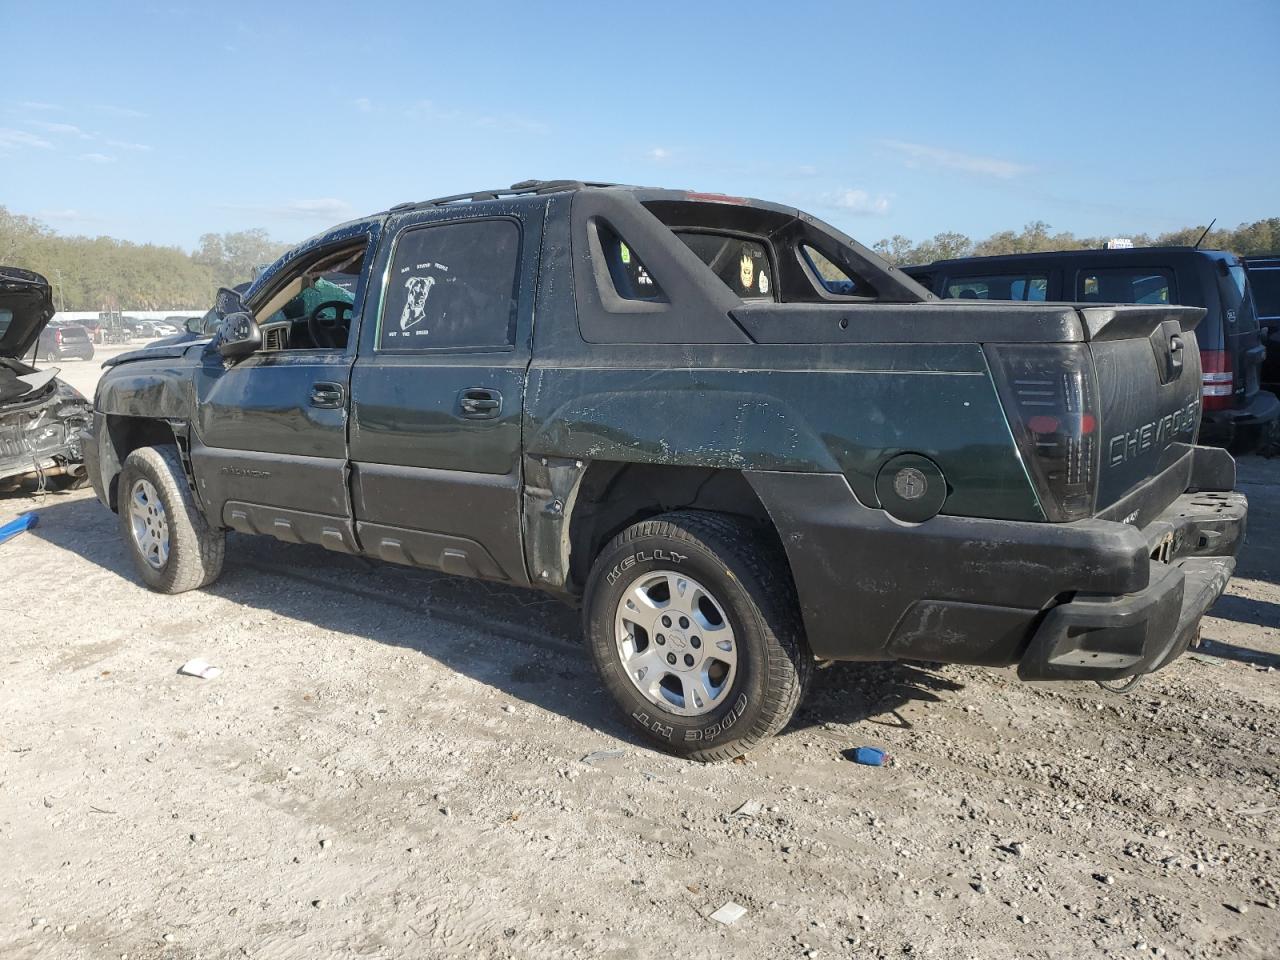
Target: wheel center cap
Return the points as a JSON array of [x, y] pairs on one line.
[[677, 640]]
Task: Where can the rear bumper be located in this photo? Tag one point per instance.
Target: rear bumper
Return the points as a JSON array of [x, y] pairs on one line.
[[1094, 598]]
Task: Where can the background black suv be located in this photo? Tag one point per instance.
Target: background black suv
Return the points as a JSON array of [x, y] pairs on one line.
[[1237, 411]]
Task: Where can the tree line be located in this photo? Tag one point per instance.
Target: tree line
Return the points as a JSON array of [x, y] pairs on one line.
[[101, 273], [1261, 236]]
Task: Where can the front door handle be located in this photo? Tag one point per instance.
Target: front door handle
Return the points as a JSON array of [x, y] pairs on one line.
[[480, 403], [328, 395]]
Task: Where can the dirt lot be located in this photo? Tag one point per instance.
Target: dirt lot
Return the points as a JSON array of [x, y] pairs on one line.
[[392, 765]]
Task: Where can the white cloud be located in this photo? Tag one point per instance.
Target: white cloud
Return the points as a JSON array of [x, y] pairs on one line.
[[363, 104], [658, 154], [919, 154], [327, 209], [430, 110], [39, 105], [858, 202], [11, 140], [114, 111], [126, 145], [97, 158], [69, 215], [70, 129], [321, 208]]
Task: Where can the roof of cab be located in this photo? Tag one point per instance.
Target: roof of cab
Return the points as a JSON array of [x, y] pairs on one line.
[[1130, 255]]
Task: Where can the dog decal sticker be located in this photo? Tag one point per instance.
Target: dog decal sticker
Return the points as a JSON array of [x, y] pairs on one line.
[[415, 308]]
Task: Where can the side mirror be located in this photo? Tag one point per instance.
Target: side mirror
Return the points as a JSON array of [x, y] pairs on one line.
[[238, 336], [194, 325]]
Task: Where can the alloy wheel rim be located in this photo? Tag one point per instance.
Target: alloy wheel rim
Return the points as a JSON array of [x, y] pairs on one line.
[[675, 643], [149, 523]]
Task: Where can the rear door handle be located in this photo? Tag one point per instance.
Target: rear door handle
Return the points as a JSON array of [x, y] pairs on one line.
[[328, 395], [480, 403]]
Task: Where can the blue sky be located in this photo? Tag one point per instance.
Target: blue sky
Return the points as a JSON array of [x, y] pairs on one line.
[[159, 122]]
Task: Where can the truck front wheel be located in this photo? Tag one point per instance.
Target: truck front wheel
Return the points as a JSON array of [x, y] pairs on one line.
[[173, 548], [693, 626]]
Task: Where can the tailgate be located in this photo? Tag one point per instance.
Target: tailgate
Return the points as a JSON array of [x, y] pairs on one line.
[[1148, 369]]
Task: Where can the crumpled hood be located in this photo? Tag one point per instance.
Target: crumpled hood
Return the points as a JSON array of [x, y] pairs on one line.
[[26, 306]]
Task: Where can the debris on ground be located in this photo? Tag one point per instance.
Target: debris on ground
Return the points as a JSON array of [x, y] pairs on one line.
[[599, 756], [199, 668], [869, 756], [748, 809], [729, 913], [19, 524]]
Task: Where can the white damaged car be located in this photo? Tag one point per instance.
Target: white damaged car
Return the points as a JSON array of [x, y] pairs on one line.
[[40, 416]]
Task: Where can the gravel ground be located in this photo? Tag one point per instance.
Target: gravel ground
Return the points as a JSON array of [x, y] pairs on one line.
[[392, 764]]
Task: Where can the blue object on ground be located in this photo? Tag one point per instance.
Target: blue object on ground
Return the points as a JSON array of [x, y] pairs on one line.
[[871, 756], [23, 521]]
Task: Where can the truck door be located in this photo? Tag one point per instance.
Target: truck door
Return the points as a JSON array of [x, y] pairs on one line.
[[437, 391], [269, 444]]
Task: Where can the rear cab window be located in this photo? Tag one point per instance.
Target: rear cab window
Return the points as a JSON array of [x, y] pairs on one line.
[[1017, 286], [1148, 285], [742, 263]]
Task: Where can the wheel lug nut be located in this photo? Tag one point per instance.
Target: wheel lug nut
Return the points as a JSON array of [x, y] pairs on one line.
[[684, 623], [661, 639], [671, 658], [695, 642], [666, 621], [688, 660]]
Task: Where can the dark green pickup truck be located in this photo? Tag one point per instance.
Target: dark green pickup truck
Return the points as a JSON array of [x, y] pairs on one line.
[[741, 440]]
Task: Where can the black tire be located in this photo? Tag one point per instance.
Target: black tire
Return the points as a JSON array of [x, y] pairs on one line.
[[195, 549], [749, 578]]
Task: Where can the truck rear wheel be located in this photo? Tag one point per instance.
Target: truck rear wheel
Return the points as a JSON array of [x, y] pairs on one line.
[[693, 626], [173, 548]]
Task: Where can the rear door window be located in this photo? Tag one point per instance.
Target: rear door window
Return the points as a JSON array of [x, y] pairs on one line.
[[1264, 280], [1149, 285], [743, 264], [1013, 286], [452, 285]]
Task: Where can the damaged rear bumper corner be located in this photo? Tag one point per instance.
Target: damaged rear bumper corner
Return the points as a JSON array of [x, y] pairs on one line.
[[1100, 637], [1107, 638]]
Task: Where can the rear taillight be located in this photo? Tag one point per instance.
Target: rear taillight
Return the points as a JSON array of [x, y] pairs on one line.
[[1051, 399], [1219, 379]]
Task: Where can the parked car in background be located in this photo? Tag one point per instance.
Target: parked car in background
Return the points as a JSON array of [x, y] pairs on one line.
[[153, 328], [41, 417], [737, 437], [1264, 278], [64, 341], [94, 328], [1238, 412], [205, 326]]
